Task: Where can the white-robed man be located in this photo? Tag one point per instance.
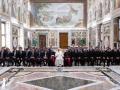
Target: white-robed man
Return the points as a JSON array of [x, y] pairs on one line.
[[59, 58]]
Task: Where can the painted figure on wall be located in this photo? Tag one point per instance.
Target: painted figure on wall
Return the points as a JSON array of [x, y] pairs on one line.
[[0, 5], [52, 38], [25, 10], [93, 37], [4, 6], [107, 6], [13, 8], [29, 42], [16, 10], [106, 42], [100, 10], [34, 39], [73, 42], [15, 42], [53, 41], [42, 41], [15, 36]]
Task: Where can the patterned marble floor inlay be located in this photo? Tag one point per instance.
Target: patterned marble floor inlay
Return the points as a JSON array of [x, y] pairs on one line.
[[68, 78], [59, 82]]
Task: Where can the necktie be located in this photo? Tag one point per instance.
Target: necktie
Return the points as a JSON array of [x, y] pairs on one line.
[[39, 53], [20, 52], [33, 54], [26, 53], [45, 54], [14, 53]]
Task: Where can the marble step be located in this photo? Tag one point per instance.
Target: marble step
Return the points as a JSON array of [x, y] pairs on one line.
[[113, 76], [4, 69]]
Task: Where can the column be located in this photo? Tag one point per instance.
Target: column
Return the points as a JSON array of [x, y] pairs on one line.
[[58, 39], [21, 38], [112, 27], [0, 35], [88, 37], [102, 37], [97, 36], [69, 38], [112, 34]]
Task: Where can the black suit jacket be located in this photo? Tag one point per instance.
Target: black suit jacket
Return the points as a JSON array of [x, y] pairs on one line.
[[4, 54]]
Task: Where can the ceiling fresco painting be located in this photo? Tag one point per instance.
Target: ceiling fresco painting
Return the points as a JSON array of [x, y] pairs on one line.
[[56, 15]]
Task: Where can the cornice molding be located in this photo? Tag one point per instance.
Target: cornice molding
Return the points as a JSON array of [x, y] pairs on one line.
[[57, 1]]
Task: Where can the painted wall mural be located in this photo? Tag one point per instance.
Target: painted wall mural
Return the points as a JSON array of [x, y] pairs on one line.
[[79, 38], [97, 9], [34, 39], [93, 33], [18, 12], [53, 38], [25, 11], [15, 38], [57, 15], [4, 6]]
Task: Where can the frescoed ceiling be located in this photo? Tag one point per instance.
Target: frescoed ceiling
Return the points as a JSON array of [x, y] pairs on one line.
[[57, 15]]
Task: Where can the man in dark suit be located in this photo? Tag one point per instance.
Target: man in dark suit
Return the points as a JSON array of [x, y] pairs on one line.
[[31, 56], [74, 56], [20, 56], [103, 59], [46, 55], [15, 57], [43, 56], [2, 56], [115, 54], [27, 57], [70, 55], [38, 58], [107, 56], [67, 58], [96, 56], [50, 56], [8, 58], [118, 51]]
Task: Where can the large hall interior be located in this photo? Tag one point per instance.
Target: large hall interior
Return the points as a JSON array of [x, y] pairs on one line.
[[59, 44]]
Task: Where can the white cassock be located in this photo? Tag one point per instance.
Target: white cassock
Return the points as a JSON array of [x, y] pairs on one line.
[[59, 58], [3, 87]]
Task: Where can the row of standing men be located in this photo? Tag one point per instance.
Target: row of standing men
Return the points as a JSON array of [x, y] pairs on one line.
[[73, 56], [97, 56]]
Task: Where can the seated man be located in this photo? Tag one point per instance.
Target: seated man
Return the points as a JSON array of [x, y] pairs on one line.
[[15, 56], [67, 59], [52, 60], [9, 57], [32, 57], [2, 56]]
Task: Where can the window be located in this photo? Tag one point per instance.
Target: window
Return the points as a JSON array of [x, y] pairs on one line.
[[3, 32]]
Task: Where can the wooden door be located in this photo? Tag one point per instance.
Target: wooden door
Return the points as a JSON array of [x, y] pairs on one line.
[[63, 40], [42, 41]]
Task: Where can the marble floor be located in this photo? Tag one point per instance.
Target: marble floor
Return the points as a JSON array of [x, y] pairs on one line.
[[59, 78]]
